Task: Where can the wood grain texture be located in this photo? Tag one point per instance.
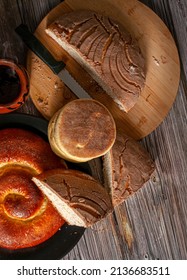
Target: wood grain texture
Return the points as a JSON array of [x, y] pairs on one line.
[[161, 59], [153, 223]]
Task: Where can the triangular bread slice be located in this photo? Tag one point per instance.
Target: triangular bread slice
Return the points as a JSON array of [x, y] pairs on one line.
[[127, 166], [78, 197]]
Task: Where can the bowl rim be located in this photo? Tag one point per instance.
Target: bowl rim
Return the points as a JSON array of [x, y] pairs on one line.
[[24, 81]]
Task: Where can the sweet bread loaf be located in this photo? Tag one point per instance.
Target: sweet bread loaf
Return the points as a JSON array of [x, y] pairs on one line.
[[78, 197], [103, 47], [27, 217], [82, 130], [127, 166]]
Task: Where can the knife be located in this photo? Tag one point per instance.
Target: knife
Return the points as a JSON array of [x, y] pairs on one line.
[[58, 67]]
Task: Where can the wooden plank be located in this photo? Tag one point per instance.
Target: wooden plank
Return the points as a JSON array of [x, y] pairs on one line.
[[11, 46], [157, 213]]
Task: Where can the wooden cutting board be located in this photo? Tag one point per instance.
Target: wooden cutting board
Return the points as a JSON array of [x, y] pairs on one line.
[[162, 67]]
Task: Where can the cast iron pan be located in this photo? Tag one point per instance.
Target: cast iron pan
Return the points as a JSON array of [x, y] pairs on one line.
[[68, 236]]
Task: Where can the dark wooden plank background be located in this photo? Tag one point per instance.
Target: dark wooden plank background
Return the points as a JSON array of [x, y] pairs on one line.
[[153, 223]]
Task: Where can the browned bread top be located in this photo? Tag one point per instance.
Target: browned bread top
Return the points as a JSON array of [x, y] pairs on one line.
[[27, 217], [78, 197], [126, 167], [105, 50], [82, 130], [25, 148]]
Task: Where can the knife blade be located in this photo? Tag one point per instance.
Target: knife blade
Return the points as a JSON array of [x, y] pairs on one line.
[[58, 67]]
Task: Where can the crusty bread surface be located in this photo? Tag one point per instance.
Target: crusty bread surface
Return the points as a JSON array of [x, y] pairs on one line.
[[78, 197], [127, 166], [82, 130], [27, 217], [104, 48]]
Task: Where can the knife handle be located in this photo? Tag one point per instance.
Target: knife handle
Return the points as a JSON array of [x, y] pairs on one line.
[[39, 49]]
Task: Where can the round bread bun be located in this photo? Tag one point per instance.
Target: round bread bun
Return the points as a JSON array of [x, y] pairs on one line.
[[78, 197], [27, 217], [82, 130]]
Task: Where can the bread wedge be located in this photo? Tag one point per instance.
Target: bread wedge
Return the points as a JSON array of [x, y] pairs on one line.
[[127, 166], [79, 198]]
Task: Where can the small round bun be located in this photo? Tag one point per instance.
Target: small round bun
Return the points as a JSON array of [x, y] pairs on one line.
[[82, 130]]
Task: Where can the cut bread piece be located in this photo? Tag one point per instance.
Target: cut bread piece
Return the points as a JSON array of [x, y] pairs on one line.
[[127, 166], [104, 48], [78, 197], [82, 130]]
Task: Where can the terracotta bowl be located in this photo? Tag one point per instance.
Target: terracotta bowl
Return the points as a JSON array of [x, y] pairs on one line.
[[10, 100]]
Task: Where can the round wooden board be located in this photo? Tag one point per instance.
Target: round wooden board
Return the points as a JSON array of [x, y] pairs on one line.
[[162, 67]]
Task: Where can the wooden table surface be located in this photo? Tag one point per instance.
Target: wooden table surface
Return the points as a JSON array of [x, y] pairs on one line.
[[152, 224]]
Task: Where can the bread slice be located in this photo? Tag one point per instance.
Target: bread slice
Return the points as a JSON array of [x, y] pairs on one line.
[[104, 48], [79, 198], [82, 130], [127, 166]]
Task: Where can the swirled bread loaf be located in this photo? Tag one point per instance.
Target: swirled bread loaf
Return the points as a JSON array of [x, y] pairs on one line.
[[78, 197], [27, 217], [127, 166], [103, 47]]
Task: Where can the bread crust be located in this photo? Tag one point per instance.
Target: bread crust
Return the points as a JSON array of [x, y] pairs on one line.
[[78, 197], [127, 166], [82, 130], [27, 217], [103, 47]]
